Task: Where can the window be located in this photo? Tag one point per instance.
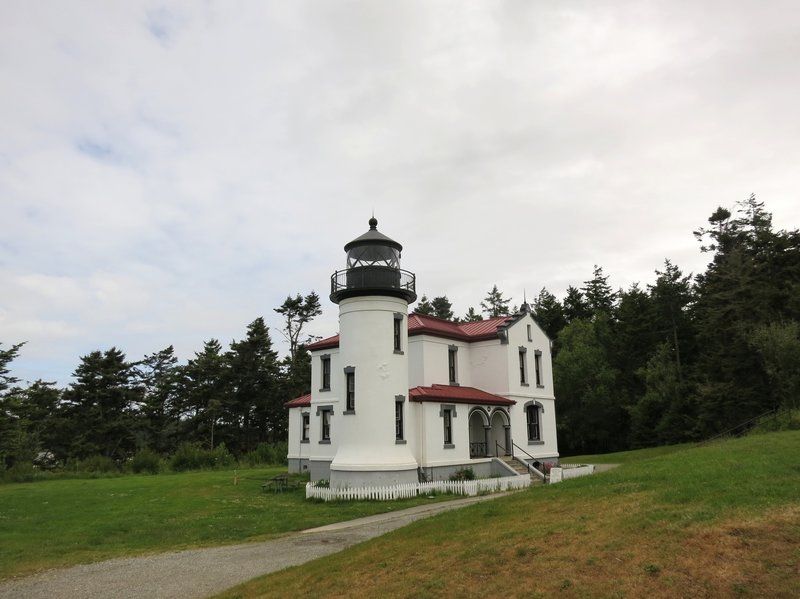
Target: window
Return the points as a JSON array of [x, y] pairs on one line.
[[326, 373], [530, 333], [452, 364], [350, 389], [325, 413], [448, 412], [537, 363], [523, 366], [448, 427], [398, 333], [532, 418], [306, 422], [398, 418]]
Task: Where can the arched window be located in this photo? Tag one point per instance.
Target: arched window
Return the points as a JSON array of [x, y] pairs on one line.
[[533, 421]]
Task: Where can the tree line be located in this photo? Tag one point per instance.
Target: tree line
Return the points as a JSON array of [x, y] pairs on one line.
[[116, 407], [681, 359]]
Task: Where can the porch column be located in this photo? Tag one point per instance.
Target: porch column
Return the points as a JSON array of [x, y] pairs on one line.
[[509, 448], [487, 430]]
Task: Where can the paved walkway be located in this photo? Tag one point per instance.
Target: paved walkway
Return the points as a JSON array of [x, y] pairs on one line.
[[198, 573]]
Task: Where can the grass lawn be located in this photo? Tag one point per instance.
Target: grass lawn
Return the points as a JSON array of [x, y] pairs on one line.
[[65, 522], [625, 457], [720, 520]]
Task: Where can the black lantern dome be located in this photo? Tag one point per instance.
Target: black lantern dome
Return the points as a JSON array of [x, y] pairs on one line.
[[373, 268]]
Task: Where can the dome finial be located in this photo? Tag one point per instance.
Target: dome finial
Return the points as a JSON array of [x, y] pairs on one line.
[[373, 222]]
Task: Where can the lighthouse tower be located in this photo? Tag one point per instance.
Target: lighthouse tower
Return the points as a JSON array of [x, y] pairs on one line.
[[373, 294]]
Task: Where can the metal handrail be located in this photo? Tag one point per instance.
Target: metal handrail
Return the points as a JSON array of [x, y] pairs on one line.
[[528, 464]]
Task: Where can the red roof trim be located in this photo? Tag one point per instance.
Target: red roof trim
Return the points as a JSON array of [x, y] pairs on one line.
[[327, 343], [304, 401], [423, 324], [457, 394]]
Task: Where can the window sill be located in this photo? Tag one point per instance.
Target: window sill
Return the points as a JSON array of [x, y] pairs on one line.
[[535, 442], [325, 442], [453, 384], [304, 441], [449, 446], [348, 412], [525, 384], [399, 352], [540, 386], [324, 389], [399, 441]]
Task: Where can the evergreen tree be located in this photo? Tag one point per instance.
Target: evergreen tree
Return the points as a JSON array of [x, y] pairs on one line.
[[575, 305], [205, 396], [100, 405], [494, 304], [597, 293], [472, 315], [442, 308], [297, 312], [549, 313], [590, 419], [255, 398], [424, 306], [158, 376]]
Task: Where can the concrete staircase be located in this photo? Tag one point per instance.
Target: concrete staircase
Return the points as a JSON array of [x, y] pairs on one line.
[[521, 468]]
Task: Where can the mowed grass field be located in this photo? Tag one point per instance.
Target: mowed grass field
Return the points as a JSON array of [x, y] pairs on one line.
[[720, 520], [64, 522]]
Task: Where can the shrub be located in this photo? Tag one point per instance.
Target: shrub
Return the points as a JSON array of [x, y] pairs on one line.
[[192, 456], [146, 461], [463, 474], [24, 472], [98, 464], [268, 454]]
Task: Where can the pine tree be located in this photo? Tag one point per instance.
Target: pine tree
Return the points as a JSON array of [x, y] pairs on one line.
[[494, 304]]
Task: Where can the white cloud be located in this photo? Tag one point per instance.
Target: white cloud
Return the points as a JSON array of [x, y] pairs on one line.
[[168, 173]]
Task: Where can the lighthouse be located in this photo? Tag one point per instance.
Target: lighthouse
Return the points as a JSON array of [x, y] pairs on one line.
[[373, 294]]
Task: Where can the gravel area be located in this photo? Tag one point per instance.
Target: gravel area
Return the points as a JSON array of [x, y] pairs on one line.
[[205, 572]]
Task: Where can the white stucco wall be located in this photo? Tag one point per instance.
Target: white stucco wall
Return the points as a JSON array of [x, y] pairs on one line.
[[366, 438], [429, 361]]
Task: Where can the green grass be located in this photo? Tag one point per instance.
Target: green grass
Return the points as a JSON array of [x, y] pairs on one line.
[[720, 520], [64, 522], [625, 457]]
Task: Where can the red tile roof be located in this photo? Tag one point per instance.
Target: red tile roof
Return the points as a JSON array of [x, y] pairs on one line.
[[457, 394], [303, 401], [422, 324]]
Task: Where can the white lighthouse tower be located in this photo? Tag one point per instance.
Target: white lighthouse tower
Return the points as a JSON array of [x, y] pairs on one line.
[[373, 294]]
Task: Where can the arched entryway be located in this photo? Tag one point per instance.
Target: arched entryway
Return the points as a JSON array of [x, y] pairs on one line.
[[500, 433], [478, 433]]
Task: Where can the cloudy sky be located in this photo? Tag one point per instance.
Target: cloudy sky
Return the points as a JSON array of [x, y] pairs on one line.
[[171, 171]]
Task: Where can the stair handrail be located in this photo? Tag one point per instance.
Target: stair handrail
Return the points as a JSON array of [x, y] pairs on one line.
[[531, 467]]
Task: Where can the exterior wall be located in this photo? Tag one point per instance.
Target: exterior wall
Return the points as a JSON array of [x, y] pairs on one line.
[[299, 452], [430, 435], [367, 443], [543, 394], [489, 366], [429, 365]]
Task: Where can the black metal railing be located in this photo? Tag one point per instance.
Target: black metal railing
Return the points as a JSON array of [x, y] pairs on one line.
[[478, 450], [380, 280]]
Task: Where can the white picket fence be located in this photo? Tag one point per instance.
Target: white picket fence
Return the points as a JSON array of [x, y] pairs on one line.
[[462, 487]]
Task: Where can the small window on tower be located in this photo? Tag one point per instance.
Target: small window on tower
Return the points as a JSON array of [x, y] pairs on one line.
[[350, 390], [398, 333]]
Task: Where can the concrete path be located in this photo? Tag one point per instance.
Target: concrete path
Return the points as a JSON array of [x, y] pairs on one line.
[[204, 572]]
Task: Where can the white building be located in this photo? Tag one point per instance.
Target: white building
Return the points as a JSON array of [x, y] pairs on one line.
[[398, 397]]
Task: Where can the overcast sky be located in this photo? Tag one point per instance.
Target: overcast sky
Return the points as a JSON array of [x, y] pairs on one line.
[[171, 171]]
